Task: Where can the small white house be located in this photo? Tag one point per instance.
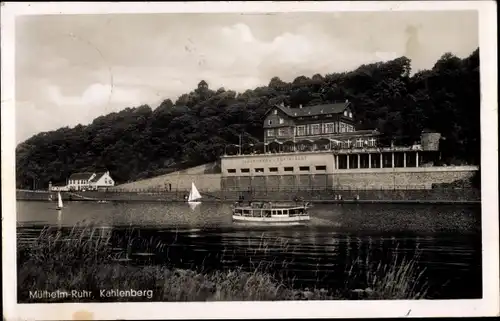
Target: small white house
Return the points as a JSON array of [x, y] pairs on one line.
[[101, 180], [80, 181], [90, 181]]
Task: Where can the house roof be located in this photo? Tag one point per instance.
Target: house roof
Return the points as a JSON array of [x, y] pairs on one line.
[[97, 176], [335, 108], [83, 175]]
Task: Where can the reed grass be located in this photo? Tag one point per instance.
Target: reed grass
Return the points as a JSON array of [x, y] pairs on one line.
[[85, 259]]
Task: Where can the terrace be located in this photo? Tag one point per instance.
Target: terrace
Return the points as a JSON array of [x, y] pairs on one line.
[[307, 145]]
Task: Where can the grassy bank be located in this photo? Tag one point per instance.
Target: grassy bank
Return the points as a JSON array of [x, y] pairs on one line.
[[84, 260]]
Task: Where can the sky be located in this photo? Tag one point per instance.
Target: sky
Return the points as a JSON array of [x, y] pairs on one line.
[[71, 69]]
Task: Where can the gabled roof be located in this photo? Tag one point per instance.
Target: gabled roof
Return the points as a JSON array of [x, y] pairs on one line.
[[335, 108], [97, 177], [83, 175]]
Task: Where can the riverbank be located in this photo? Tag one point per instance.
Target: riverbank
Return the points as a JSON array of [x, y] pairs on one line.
[[338, 202], [425, 196], [84, 260]]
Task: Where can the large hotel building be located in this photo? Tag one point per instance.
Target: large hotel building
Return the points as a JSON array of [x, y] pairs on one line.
[[319, 147]]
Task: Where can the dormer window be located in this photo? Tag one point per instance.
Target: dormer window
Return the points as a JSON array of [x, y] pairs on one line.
[[345, 113], [275, 112], [350, 115], [270, 122]]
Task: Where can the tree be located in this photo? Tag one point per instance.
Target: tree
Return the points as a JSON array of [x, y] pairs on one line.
[[141, 142]]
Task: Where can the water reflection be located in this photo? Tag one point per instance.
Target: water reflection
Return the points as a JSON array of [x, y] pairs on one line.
[[59, 219], [193, 205], [317, 255]]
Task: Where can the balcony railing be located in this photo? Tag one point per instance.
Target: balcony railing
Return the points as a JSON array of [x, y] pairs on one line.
[[261, 149]]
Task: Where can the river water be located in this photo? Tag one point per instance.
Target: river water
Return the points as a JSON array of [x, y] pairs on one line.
[[447, 237]]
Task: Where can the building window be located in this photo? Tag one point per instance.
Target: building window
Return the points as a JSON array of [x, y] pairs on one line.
[[345, 113], [342, 127], [371, 142], [315, 129], [231, 170], [350, 114], [304, 168], [288, 169], [270, 122], [301, 130], [282, 120], [245, 170], [282, 132], [270, 132], [275, 112], [273, 169], [320, 167], [329, 128], [360, 143], [259, 170]]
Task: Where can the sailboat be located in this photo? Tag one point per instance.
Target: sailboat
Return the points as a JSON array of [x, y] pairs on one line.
[[59, 201], [194, 195]]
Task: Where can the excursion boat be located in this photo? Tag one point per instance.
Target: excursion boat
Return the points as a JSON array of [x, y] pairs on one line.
[[267, 212]]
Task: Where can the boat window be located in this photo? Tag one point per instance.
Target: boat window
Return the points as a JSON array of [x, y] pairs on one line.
[[320, 167], [273, 169], [288, 169], [273, 212], [231, 170], [292, 211], [304, 168], [259, 170], [278, 212], [245, 170]]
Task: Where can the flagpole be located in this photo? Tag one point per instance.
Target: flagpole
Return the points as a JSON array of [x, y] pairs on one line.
[[240, 144]]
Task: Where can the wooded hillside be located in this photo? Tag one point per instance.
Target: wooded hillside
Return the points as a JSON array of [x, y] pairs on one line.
[[141, 142]]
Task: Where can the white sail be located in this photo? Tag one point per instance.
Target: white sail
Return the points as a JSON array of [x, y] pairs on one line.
[[193, 194], [59, 200]]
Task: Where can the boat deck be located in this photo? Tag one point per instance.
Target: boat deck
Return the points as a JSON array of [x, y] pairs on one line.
[[270, 211]]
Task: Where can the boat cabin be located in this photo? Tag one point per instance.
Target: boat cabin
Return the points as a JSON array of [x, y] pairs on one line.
[[263, 209]]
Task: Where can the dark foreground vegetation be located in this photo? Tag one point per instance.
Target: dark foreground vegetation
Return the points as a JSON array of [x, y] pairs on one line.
[[84, 260], [144, 142]]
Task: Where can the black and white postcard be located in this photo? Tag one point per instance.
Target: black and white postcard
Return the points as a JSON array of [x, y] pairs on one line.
[[249, 160]]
